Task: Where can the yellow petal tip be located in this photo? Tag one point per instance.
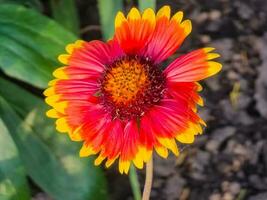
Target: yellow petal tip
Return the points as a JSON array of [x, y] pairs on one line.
[[71, 47], [162, 151], [134, 14], [86, 151], [211, 56], [99, 160], [60, 73], [52, 113], [119, 19], [61, 106], [52, 100], [186, 137], [124, 166], [109, 162], [214, 68], [62, 125], [187, 26], [178, 17], [49, 91], [64, 58], [149, 15], [208, 49], [165, 11], [53, 82]]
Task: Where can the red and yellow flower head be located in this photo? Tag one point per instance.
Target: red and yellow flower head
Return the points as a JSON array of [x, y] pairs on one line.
[[116, 98]]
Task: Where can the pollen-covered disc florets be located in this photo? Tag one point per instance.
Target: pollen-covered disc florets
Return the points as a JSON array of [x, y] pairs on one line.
[[130, 86]]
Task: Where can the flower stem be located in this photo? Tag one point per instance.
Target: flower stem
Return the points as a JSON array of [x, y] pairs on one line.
[[134, 183], [149, 180]]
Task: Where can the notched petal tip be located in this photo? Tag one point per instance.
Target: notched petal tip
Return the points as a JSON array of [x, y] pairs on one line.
[[49, 91], [187, 26], [200, 101], [76, 45], [99, 160], [76, 136], [214, 68], [211, 56], [70, 48], [162, 151], [52, 82], [61, 106], [86, 151], [52, 113], [169, 144], [52, 100], [79, 43], [145, 153], [202, 122], [124, 166], [178, 17], [62, 125], [60, 73], [138, 162], [149, 15], [164, 11], [109, 162], [188, 135], [64, 58], [119, 19], [186, 138], [199, 86], [134, 14], [208, 49]]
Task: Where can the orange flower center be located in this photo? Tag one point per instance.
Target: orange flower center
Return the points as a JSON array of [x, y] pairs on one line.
[[130, 86], [125, 81]]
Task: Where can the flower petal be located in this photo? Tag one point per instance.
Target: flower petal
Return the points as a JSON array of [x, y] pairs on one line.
[[124, 166], [134, 32], [165, 11], [193, 66], [173, 118], [188, 136], [113, 139], [162, 151], [94, 55], [168, 35], [187, 91], [130, 141]]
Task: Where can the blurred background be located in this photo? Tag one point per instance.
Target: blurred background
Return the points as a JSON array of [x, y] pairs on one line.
[[228, 162]]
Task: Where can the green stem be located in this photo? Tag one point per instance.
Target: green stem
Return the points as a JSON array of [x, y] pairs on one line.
[[135, 183]]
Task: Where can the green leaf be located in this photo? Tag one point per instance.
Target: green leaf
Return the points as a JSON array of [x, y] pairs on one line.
[[13, 183], [107, 11], [51, 159], [19, 61], [143, 4], [32, 41], [65, 13], [36, 4]]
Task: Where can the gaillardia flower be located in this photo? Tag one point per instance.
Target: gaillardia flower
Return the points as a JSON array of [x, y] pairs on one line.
[[117, 97]]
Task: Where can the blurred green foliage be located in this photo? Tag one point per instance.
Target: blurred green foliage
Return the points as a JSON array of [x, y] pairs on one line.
[[33, 42], [13, 183], [29, 145], [36, 4], [107, 12], [65, 13], [143, 4]]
